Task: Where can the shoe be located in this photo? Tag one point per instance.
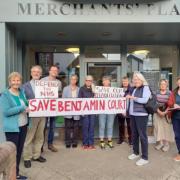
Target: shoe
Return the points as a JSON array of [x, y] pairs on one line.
[[142, 162], [27, 164], [120, 142], [52, 148], [159, 147], [133, 156], [40, 159], [91, 147], [74, 145], [85, 147], [68, 145], [110, 144], [102, 145], [177, 158], [166, 148], [21, 177]]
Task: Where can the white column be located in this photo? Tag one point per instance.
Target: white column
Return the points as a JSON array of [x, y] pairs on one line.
[[2, 56], [2, 69]]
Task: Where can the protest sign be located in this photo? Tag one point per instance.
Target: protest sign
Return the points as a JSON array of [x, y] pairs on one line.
[[76, 106], [108, 92], [46, 89]]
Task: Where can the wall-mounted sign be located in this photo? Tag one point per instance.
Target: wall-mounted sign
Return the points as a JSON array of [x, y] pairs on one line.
[[66, 11]]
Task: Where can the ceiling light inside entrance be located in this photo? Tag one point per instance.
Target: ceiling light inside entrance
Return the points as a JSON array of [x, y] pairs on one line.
[[73, 50], [143, 51]]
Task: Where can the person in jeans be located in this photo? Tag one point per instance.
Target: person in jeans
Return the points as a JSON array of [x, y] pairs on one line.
[[139, 118], [174, 102], [163, 130], [125, 117], [35, 134], [106, 120], [53, 73], [88, 121], [14, 108], [71, 122]]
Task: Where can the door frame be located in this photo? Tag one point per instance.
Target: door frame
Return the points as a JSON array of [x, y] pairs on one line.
[[84, 62]]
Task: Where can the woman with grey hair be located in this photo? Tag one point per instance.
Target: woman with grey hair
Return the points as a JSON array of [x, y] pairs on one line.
[[88, 121], [163, 130], [139, 118], [71, 122], [106, 120]]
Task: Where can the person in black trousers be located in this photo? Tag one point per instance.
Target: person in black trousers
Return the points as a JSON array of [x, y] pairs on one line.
[[71, 122], [14, 107], [122, 117]]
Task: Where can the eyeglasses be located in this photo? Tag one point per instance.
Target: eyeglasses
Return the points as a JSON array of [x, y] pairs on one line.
[[88, 80]]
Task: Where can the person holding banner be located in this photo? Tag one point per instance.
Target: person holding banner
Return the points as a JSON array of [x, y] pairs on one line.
[[139, 118], [53, 74], [125, 117], [71, 122], [14, 106], [106, 120], [35, 133], [88, 121], [174, 105]]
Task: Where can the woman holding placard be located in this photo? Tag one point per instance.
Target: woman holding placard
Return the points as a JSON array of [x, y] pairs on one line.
[[14, 107], [139, 118], [71, 122], [106, 120], [174, 103], [88, 121]]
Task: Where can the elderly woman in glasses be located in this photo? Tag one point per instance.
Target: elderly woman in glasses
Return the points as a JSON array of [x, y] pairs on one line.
[[88, 121]]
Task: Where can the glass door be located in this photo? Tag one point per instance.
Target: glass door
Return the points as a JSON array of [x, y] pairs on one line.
[[100, 69]]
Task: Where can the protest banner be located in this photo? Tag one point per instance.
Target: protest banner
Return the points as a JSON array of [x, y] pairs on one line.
[[108, 92], [46, 89], [76, 106]]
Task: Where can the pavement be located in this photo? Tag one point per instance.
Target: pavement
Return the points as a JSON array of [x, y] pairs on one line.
[[108, 164]]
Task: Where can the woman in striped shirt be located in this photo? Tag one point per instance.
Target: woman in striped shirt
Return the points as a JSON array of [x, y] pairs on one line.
[[162, 128]]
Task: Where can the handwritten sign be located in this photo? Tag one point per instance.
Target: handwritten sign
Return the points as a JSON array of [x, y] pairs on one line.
[[76, 106], [108, 92], [46, 89]]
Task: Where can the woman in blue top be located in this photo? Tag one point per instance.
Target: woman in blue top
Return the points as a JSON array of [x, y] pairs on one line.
[[106, 121], [14, 107], [139, 117]]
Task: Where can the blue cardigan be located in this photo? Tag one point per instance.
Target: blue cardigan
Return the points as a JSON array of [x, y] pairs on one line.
[[10, 111]]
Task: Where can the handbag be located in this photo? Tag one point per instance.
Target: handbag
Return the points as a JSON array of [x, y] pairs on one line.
[[151, 106]]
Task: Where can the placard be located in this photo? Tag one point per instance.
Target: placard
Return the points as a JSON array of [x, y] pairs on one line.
[[46, 89], [76, 106], [108, 92]]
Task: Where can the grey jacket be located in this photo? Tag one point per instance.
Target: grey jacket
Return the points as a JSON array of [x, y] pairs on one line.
[[28, 90], [68, 94]]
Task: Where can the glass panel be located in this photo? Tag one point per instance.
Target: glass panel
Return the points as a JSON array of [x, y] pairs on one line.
[[65, 57], [99, 71], [154, 61]]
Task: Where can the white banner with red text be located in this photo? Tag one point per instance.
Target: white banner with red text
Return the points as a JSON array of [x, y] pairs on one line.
[[76, 106]]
